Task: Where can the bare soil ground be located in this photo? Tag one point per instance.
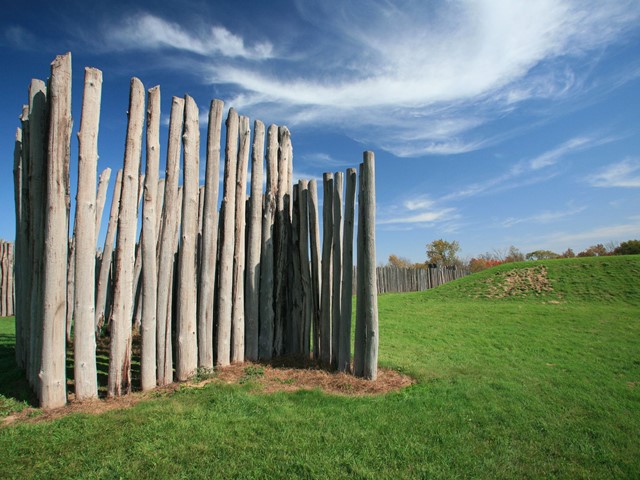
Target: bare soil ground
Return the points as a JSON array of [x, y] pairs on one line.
[[280, 376], [520, 282]]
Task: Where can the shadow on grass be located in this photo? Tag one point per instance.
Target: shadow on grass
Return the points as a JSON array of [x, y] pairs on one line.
[[13, 382]]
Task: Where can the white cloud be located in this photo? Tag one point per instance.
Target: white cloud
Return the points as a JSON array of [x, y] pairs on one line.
[[543, 217], [148, 32], [622, 174], [417, 211]]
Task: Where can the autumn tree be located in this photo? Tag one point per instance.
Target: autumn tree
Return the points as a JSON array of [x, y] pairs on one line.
[[630, 247], [399, 262], [542, 255], [598, 250], [443, 252]]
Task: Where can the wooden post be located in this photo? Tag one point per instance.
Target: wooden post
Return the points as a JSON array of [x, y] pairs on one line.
[[119, 381], [368, 289], [267, 313], [327, 249], [84, 339], [359, 343], [295, 290], [305, 267], [167, 245], [225, 289], [344, 344], [107, 254], [37, 151], [254, 241], [56, 227], [314, 234], [186, 325], [101, 197], [19, 242], [336, 255], [237, 335], [149, 241], [209, 238]]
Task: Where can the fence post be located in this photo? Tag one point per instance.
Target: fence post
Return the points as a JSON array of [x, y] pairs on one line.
[[344, 355], [327, 249]]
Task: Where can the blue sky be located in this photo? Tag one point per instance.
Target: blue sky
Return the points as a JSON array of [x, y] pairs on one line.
[[494, 123]]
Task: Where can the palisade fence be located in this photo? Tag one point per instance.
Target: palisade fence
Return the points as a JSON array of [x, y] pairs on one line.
[[202, 287], [391, 279], [7, 298]]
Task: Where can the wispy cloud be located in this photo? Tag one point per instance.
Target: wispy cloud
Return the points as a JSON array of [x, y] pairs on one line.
[[148, 32], [20, 38], [416, 212], [622, 174], [543, 217]]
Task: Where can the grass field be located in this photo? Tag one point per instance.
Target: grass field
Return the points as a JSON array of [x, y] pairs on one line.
[[510, 384]]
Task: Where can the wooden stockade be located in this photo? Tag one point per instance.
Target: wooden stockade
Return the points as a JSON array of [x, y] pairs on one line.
[[7, 298], [202, 287], [392, 279]]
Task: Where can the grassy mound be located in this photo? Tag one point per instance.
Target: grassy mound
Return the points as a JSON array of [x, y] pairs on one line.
[[538, 380]]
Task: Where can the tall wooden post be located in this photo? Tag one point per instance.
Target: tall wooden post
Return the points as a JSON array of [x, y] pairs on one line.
[[84, 338], [19, 242], [368, 289], [149, 241], [209, 238], [344, 345], [337, 268], [168, 245], [359, 344], [119, 381], [101, 198], [327, 248], [186, 325], [305, 267], [254, 240], [225, 289], [314, 236], [56, 227], [237, 322]]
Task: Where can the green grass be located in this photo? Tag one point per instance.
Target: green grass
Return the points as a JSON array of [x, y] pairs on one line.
[[526, 386]]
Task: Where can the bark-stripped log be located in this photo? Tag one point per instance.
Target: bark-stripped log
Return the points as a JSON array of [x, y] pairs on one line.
[[186, 322], [359, 343], [56, 227], [336, 289], [327, 249], [225, 289], [149, 241], [167, 245], [295, 281], [344, 344], [101, 198], [265, 342], [38, 141], [84, 338], [254, 231], [305, 267], [237, 334], [107, 255], [20, 243], [119, 381], [368, 289], [314, 247], [209, 238]]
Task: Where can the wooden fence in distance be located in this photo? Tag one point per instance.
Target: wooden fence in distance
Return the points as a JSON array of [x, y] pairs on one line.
[[6, 279], [397, 280]]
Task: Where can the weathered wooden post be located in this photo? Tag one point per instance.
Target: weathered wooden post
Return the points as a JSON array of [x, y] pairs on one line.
[[314, 235], [368, 288], [359, 343], [209, 238], [56, 226], [84, 338], [107, 254], [119, 381], [336, 255], [254, 241], [168, 245], [101, 198], [186, 325], [327, 283], [237, 320], [38, 145], [18, 255], [225, 289], [149, 241], [344, 354], [305, 267], [295, 290]]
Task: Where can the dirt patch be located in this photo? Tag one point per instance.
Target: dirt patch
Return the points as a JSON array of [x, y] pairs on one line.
[[521, 282], [280, 376]]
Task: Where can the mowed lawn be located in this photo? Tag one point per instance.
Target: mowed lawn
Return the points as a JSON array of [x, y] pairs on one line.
[[510, 384]]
